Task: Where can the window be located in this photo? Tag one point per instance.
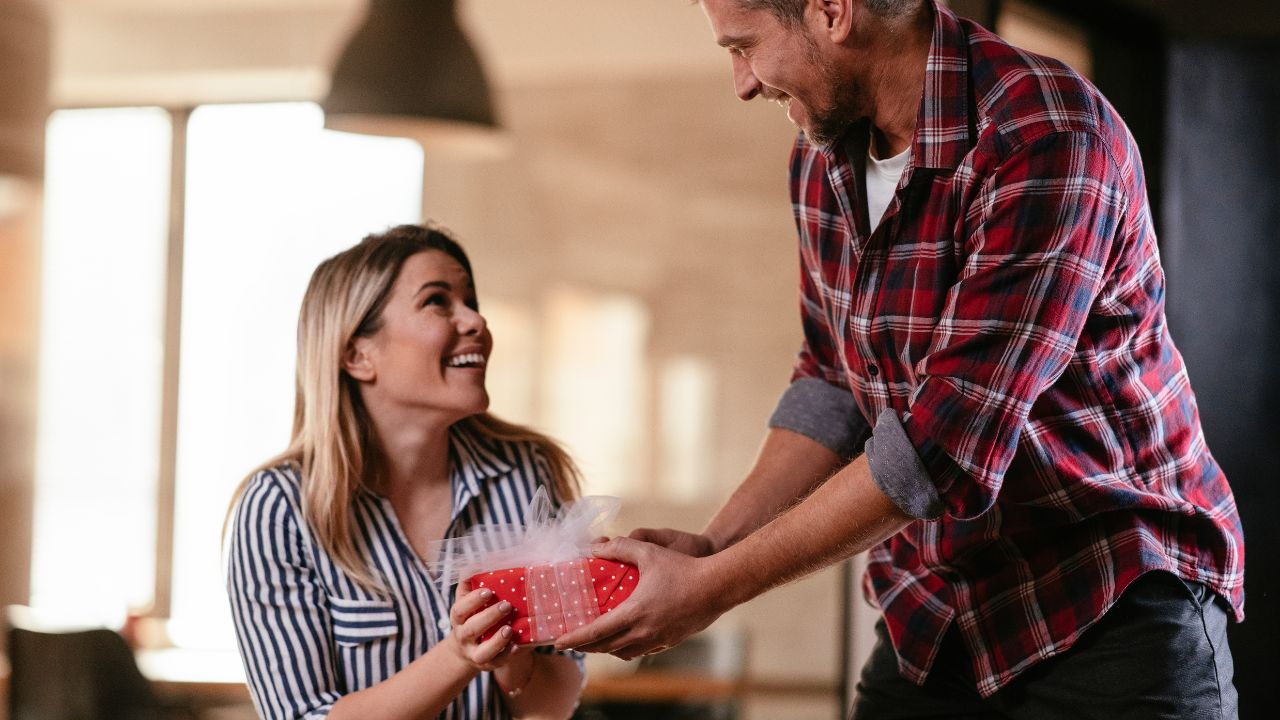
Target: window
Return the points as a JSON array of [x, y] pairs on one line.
[[98, 433], [251, 240]]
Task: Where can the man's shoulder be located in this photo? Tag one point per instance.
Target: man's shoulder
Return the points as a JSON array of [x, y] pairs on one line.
[[1022, 96]]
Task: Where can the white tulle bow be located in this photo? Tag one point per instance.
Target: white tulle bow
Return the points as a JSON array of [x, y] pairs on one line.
[[541, 540]]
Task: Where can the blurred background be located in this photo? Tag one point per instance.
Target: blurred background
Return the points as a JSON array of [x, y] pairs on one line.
[[167, 184]]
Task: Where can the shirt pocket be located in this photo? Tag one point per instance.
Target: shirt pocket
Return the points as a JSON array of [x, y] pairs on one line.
[[356, 622]]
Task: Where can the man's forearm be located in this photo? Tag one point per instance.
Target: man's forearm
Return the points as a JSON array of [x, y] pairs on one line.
[[844, 516], [787, 468]]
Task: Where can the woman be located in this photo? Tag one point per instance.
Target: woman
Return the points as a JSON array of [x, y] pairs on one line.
[[335, 611]]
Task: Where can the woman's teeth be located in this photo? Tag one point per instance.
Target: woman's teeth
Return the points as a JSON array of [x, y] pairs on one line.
[[473, 359]]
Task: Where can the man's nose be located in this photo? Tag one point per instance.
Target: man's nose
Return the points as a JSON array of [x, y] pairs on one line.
[[745, 82]]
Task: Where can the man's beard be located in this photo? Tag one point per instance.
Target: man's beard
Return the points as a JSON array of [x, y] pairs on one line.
[[829, 123]]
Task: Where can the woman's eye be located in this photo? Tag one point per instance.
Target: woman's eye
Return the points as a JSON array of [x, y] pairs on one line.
[[435, 299]]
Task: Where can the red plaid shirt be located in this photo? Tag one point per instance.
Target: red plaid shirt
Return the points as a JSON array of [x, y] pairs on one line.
[[1010, 309]]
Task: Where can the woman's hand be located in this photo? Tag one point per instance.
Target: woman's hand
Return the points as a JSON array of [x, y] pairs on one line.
[[470, 619]]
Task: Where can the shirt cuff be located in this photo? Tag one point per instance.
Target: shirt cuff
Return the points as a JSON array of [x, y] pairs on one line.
[[823, 413], [898, 471]]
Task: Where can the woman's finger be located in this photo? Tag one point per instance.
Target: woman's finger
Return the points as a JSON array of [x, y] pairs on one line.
[[468, 604], [481, 621], [490, 650]]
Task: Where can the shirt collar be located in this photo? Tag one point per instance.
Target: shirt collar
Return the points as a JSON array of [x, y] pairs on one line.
[[945, 125], [473, 460]]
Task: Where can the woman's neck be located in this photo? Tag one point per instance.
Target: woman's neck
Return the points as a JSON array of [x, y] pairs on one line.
[[414, 452]]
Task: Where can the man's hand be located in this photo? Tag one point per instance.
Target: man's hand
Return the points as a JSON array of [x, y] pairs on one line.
[[678, 540], [677, 596]]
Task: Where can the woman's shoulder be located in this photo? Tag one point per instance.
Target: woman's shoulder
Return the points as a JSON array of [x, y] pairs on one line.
[[270, 485]]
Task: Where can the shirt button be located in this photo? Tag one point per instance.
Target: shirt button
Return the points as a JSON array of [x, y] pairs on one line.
[[443, 624], [872, 370]]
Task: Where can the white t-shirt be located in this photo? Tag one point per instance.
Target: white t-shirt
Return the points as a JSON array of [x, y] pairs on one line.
[[882, 180]]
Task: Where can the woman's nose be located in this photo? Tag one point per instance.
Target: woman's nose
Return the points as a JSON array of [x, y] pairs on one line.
[[470, 322]]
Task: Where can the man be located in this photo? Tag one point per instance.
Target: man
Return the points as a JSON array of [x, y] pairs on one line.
[[982, 304]]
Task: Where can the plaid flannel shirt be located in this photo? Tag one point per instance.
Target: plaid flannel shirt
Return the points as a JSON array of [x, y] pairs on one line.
[[1010, 310]]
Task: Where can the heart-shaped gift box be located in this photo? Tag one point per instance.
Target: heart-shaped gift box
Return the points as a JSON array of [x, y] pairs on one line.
[[551, 599]]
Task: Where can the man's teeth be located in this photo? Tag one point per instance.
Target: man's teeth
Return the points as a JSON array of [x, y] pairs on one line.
[[467, 359]]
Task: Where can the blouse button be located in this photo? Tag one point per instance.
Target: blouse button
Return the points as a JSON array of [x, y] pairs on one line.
[[872, 370], [443, 624]]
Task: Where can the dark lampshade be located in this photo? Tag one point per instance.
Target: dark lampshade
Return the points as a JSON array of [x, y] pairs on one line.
[[409, 71], [24, 86]]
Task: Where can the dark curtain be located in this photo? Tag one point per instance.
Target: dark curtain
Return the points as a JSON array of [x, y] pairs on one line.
[[1220, 234]]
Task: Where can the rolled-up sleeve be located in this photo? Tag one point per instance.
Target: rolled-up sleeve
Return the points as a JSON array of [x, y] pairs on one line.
[[1042, 236], [279, 607], [821, 412]]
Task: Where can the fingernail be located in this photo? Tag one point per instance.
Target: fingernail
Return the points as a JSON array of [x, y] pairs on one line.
[[486, 593], [504, 606], [505, 631]]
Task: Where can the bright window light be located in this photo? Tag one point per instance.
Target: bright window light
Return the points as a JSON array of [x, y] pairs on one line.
[[101, 349], [511, 374], [597, 390], [270, 194], [685, 397]]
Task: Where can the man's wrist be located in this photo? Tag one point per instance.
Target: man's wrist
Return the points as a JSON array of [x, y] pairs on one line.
[[724, 572]]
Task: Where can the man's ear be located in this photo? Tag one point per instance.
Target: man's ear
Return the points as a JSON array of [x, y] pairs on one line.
[[835, 18], [356, 360]]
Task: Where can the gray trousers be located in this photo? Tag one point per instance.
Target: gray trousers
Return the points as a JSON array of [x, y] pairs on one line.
[[1160, 652]]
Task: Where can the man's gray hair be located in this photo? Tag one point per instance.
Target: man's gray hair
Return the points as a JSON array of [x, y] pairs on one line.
[[790, 12]]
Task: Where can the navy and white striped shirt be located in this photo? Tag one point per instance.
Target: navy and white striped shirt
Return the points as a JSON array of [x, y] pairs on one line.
[[308, 634]]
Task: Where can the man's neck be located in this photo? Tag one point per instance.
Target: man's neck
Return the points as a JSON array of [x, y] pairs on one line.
[[897, 82]]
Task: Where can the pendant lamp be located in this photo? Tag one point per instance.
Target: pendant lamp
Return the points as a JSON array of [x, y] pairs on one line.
[[409, 71]]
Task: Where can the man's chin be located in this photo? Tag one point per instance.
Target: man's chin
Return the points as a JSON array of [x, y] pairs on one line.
[[828, 134]]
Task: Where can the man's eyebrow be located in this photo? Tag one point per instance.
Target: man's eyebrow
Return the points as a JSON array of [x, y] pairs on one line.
[[732, 41]]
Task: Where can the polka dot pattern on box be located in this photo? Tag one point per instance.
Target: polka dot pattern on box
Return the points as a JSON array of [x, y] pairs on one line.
[[556, 606]]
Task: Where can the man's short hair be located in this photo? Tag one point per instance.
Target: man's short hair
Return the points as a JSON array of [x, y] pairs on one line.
[[791, 12]]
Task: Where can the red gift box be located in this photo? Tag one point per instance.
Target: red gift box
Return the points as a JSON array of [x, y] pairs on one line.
[[550, 600]]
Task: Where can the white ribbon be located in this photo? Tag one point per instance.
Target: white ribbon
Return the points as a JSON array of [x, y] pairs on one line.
[[542, 540]]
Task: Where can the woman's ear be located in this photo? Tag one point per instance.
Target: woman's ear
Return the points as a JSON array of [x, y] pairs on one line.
[[356, 360]]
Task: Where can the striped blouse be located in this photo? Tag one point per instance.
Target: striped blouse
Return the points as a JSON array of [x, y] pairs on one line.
[[308, 634]]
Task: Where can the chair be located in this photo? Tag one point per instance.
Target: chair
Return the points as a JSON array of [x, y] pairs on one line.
[[60, 673]]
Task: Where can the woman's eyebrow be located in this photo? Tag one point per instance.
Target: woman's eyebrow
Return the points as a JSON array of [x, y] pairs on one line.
[[434, 284]]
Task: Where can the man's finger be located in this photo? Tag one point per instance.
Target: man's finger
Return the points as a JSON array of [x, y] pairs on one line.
[[608, 644], [603, 627], [622, 549], [633, 651], [665, 537]]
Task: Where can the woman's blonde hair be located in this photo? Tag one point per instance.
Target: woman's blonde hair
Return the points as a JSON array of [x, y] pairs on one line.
[[332, 443]]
